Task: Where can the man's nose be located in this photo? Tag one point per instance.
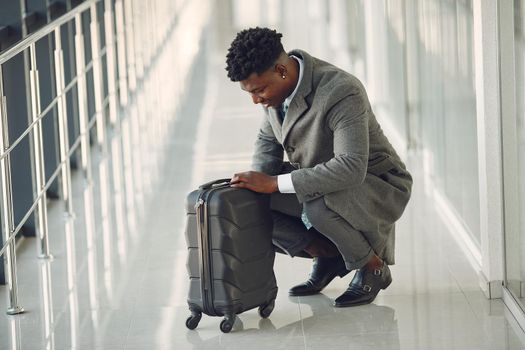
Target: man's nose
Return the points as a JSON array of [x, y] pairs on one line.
[[256, 99]]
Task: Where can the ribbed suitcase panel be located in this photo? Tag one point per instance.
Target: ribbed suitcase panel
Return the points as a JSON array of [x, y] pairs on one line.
[[242, 255]]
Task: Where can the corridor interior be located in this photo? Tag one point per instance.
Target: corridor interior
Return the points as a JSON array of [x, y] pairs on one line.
[[120, 282]]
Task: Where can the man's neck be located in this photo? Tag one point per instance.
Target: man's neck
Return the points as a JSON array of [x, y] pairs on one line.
[[295, 77]]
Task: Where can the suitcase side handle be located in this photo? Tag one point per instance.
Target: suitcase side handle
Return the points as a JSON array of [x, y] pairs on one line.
[[214, 183]]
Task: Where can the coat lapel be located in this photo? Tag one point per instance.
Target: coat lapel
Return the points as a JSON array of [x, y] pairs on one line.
[[295, 112], [275, 122], [298, 106]]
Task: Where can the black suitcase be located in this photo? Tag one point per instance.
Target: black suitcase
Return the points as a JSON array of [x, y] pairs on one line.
[[230, 253]]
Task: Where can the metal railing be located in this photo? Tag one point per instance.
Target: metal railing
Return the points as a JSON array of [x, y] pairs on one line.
[[131, 59]]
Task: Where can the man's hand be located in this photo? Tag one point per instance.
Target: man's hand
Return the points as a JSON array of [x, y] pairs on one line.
[[255, 181]]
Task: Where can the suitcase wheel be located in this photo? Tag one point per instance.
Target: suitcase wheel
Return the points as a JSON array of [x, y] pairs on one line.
[[227, 323], [193, 321], [266, 310]]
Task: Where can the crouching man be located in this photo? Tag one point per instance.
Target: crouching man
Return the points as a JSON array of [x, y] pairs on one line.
[[344, 187]]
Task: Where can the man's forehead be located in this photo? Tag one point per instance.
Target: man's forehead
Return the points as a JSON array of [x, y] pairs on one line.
[[253, 82]]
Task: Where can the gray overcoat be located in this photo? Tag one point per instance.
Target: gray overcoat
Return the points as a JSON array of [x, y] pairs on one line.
[[334, 142]]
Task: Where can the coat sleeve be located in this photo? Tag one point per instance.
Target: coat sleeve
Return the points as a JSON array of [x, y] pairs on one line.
[[268, 154], [348, 121]]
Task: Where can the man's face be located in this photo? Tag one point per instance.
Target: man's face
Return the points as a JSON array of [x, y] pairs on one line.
[[268, 88]]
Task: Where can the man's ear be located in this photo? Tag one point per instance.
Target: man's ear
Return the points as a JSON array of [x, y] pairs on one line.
[[281, 69]]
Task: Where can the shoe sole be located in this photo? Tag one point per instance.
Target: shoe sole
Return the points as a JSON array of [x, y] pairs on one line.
[[303, 294]]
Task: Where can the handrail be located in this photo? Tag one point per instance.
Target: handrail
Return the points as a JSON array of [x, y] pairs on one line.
[[133, 76], [48, 184], [53, 103], [44, 31], [12, 235], [41, 186]]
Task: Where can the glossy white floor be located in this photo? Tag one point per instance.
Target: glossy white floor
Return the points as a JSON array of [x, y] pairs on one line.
[[118, 278]]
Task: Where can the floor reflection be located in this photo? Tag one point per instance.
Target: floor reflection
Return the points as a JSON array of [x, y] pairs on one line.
[[337, 328], [91, 246], [15, 333], [106, 223], [72, 289], [319, 310], [119, 198], [129, 179], [47, 303]]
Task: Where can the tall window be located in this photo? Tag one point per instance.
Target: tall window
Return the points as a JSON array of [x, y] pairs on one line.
[[515, 237], [448, 103]]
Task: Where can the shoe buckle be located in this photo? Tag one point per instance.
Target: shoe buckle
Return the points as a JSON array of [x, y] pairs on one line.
[[367, 288], [377, 272]]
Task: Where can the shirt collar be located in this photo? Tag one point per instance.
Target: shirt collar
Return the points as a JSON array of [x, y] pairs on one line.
[[288, 100]]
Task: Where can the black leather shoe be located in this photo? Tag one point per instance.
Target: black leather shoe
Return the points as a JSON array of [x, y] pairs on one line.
[[364, 287], [323, 272]]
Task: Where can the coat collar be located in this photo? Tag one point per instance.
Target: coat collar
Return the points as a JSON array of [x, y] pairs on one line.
[[298, 104]]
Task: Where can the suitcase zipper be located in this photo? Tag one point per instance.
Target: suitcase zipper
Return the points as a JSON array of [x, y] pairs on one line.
[[201, 209], [205, 251]]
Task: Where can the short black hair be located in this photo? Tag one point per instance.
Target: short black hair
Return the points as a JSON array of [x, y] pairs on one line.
[[253, 50]]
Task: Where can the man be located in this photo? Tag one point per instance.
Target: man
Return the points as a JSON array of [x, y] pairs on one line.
[[344, 187]]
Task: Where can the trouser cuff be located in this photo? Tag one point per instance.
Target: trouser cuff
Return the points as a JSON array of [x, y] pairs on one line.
[[357, 264]]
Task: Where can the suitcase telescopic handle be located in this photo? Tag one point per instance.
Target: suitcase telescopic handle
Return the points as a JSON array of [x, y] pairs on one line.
[[214, 183]]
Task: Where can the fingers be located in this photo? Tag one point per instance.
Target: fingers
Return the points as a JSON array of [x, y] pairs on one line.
[[239, 185], [242, 184], [235, 179], [238, 181], [241, 177], [251, 180], [243, 180]]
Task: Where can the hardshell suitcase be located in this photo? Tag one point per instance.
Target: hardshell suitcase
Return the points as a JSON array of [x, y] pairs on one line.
[[230, 253]]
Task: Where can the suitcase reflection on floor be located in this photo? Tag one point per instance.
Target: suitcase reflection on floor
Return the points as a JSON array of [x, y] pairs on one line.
[[318, 315]]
